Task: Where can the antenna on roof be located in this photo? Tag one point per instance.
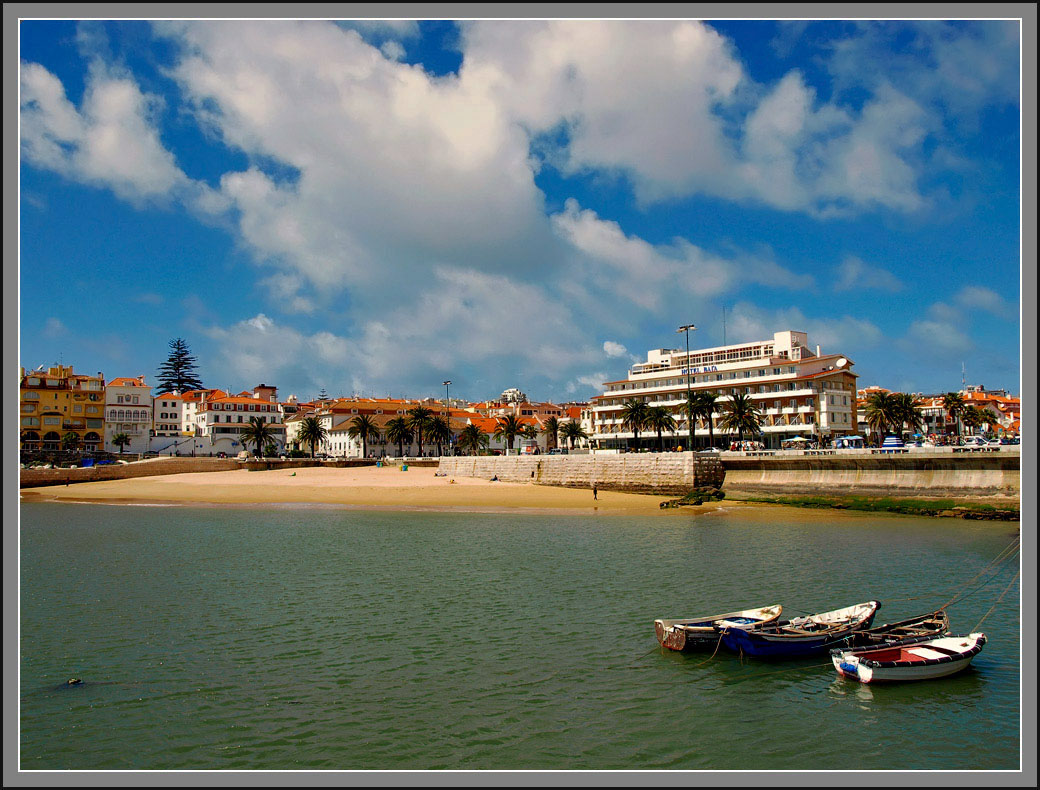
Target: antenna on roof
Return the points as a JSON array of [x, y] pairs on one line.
[[964, 384], [723, 324]]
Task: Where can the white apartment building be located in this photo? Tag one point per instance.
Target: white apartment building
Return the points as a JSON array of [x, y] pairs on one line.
[[220, 418], [128, 410], [167, 410], [797, 391]]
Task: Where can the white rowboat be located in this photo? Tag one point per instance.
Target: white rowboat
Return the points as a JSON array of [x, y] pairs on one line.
[[916, 659]]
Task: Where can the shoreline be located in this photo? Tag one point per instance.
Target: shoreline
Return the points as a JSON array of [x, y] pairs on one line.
[[421, 490], [373, 488]]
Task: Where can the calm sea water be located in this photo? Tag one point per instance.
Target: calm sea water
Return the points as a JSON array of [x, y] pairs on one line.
[[310, 638]]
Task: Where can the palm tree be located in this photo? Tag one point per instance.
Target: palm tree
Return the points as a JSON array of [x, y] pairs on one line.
[[881, 413], [312, 432], [70, 441], [954, 404], [740, 414], [974, 417], [398, 431], [472, 439], [660, 419], [573, 432], [418, 421], [259, 433], [634, 416], [509, 427], [703, 406], [439, 431], [907, 411], [120, 440], [551, 429], [361, 427]]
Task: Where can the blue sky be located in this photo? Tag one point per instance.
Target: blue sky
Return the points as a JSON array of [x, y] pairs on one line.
[[374, 207]]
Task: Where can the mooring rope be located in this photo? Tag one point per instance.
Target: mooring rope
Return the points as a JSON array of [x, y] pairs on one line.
[[1004, 556], [1001, 598], [716, 650], [962, 596]]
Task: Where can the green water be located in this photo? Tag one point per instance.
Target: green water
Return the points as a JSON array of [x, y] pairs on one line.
[[319, 638]]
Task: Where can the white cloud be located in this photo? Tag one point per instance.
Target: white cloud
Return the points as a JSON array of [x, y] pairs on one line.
[[612, 349], [53, 328], [634, 96], [941, 338], [957, 67], [397, 171], [834, 335], [854, 274], [976, 297], [668, 105], [589, 381], [111, 142], [652, 276], [259, 350]]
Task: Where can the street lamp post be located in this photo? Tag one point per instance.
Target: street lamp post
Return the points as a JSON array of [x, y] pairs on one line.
[[447, 410], [689, 412]]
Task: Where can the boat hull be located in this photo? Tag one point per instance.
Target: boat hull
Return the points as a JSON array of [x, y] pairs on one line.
[[931, 626], [699, 633], [793, 640], [767, 646], [920, 659]]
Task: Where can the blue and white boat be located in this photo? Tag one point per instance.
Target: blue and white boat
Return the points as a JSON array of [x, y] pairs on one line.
[[798, 637]]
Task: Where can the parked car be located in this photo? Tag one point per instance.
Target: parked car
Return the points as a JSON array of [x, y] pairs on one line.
[[974, 441]]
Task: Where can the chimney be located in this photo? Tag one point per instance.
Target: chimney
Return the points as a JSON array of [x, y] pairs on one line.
[[817, 349]]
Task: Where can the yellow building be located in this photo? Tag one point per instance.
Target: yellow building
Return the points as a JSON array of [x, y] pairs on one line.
[[57, 403]]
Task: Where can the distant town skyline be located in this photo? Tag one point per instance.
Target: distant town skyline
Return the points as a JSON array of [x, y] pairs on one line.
[[375, 207]]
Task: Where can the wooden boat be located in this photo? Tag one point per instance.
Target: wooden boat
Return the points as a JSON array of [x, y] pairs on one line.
[[799, 636], [699, 632], [931, 625], [916, 659]]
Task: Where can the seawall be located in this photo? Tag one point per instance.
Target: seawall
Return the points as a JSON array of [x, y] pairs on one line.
[[668, 474], [31, 478], [920, 473]]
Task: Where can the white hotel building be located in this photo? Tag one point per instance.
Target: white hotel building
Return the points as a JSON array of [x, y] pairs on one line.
[[798, 392]]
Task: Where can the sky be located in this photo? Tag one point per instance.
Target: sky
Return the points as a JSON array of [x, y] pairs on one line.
[[375, 207]]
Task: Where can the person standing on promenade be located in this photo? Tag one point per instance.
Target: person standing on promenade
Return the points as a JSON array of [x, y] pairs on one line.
[[595, 491]]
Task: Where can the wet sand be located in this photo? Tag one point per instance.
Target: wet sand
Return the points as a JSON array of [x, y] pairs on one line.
[[387, 487]]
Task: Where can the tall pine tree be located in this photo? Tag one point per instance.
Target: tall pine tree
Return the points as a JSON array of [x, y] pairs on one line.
[[178, 372]]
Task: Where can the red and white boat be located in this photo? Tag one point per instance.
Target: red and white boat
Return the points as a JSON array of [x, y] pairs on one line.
[[923, 658]]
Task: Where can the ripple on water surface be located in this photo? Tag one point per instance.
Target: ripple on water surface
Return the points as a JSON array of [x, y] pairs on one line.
[[259, 639]]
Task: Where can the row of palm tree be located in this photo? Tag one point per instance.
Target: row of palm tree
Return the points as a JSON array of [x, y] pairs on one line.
[[422, 424], [888, 412], [894, 412], [739, 414]]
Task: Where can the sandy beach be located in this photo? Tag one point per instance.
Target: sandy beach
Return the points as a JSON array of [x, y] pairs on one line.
[[387, 487]]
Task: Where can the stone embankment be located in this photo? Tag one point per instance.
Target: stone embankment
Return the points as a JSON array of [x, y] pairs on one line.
[[669, 474], [920, 473], [32, 478]]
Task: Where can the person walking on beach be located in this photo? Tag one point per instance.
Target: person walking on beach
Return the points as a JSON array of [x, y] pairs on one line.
[[595, 491]]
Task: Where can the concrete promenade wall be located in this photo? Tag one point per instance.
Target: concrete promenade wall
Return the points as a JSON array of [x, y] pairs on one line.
[[670, 474], [31, 478], [919, 473]]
